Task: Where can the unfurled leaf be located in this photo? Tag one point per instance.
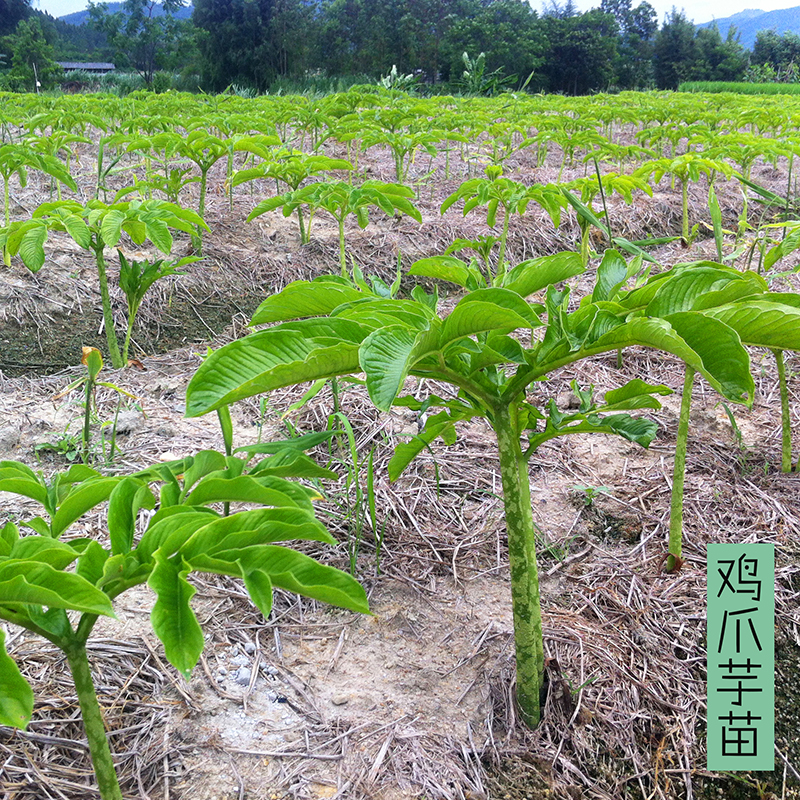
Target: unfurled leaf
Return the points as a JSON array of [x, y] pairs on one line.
[[16, 695], [173, 620]]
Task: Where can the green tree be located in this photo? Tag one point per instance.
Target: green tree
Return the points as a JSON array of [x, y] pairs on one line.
[[781, 53], [581, 53], [637, 30], [32, 56], [251, 42], [507, 31], [676, 55], [144, 34], [721, 60], [11, 13]]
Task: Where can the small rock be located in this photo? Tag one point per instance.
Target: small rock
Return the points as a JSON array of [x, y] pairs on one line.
[[222, 671], [240, 661], [129, 421], [340, 699], [9, 437], [249, 648], [165, 431], [243, 675], [270, 670], [565, 400]]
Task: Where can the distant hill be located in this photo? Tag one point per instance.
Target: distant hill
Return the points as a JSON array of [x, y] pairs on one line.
[[749, 22], [82, 17]]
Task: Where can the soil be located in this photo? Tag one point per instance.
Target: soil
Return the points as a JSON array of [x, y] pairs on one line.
[[413, 701]]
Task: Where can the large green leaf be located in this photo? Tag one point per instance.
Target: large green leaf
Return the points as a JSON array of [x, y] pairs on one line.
[[243, 489], [111, 226], [445, 268], [16, 695], [258, 526], [80, 500], [259, 587], [537, 273], [170, 528], [288, 464], [305, 299], [611, 275], [725, 362], [388, 355], [760, 322], [173, 620], [681, 292], [203, 463], [282, 356], [32, 583], [634, 394], [17, 482], [31, 247], [127, 497], [298, 573], [45, 550], [713, 350], [496, 310]]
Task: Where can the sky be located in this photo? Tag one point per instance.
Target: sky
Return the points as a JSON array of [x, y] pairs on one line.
[[698, 11]]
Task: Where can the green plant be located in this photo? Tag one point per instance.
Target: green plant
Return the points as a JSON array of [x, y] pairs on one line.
[[287, 166], [353, 330], [66, 444], [475, 80], [496, 193], [341, 200], [17, 159], [591, 493], [96, 226], [136, 277], [686, 168], [741, 301], [38, 585]]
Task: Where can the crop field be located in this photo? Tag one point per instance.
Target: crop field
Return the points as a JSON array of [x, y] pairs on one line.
[[368, 446]]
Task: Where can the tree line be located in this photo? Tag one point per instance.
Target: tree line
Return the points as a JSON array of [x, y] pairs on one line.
[[254, 43]]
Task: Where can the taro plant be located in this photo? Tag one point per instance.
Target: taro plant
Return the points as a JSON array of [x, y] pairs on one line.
[[136, 277], [687, 169], [742, 302], [473, 350], [18, 159], [95, 227], [499, 194], [57, 586], [290, 167], [341, 200]]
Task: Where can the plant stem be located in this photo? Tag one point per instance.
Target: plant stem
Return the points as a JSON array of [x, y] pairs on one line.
[[786, 427], [584, 242], [87, 417], [102, 761], [128, 334], [197, 241], [685, 210], [501, 258], [108, 316], [679, 473], [524, 574], [342, 254]]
